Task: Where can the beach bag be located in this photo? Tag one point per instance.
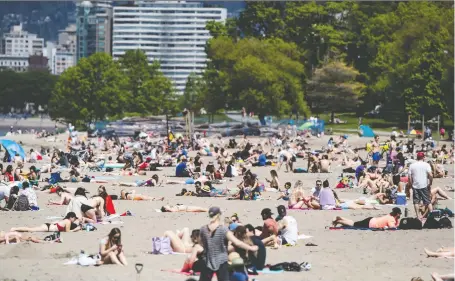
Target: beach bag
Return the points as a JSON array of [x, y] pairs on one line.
[[410, 223], [300, 170], [161, 246], [432, 223], [21, 203]]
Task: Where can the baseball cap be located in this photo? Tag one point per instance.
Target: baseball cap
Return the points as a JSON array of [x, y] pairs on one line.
[[266, 211], [281, 209], [420, 155], [213, 211]]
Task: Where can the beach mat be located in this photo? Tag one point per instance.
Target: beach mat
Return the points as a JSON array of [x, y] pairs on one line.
[[264, 271], [361, 228]]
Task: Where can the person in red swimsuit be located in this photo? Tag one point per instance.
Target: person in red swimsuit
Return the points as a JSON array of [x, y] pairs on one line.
[[9, 173], [65, 225]]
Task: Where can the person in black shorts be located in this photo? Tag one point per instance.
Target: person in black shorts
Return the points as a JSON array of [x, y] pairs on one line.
[[394, 217]]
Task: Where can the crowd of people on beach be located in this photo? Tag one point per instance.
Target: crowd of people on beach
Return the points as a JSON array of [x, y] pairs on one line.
[[393, 171]]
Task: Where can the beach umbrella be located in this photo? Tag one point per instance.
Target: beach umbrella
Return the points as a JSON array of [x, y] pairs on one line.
[[305, 126], [13, 147]]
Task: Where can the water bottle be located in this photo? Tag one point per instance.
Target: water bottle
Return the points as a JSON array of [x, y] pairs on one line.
[[406, 212]]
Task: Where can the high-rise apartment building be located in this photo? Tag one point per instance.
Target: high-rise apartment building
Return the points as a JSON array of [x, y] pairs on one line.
[[94, 27], [173, 33], [21, 43]]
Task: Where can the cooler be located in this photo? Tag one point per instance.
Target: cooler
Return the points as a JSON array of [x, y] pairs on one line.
[[401, 199]]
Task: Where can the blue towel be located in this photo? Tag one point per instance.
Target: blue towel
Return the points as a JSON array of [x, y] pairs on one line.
[[268, 271]]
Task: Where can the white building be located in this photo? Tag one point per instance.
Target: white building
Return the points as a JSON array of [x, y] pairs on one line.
[[62, 61], [21, 43], [171, 32], [15, 63]]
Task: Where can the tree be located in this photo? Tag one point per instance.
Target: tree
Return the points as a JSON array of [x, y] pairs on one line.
[[92, 90], [413, 65], [149, 91], [265, 76], [334, 88], [191, 98]]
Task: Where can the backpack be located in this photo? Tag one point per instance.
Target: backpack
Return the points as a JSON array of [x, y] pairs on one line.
[[410, 223], [161, 246], [21, 203], [432, 223]]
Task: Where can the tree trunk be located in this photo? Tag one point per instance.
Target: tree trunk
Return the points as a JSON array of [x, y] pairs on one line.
[[332, 117]]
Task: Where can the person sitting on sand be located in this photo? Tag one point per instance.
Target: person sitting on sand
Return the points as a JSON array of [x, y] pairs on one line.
[[437, 192], [388, 221], [182, 241], [111, 249], [286, 193], [80, 205], [109, 208], [441, 253], [65, 197], [195, 261], [270, 228], [325, 164], [274, 182], [65, 225], [137, 197], [182, 208], [326, 197]]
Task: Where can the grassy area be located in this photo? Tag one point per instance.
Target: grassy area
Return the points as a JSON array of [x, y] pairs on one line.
[[352, 122]]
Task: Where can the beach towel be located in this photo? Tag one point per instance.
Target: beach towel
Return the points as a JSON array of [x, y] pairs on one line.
[[361, 228], [308, 209]]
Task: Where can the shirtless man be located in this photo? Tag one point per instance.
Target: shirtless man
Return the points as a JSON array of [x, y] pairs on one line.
[[376, 151], [325, 164]]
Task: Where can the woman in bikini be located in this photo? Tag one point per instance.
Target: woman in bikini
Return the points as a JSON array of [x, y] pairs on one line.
[[138, 197], [182, 208], [81, 205], [16, 237], [182, 241], [97, 202], [153, 181], [441, 253], [274, 183], [195, 262], [65, 225], [65, 197], [111, 249]]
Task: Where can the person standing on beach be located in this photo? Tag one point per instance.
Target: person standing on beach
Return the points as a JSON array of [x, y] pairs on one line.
[[420, 180], [214, 240]]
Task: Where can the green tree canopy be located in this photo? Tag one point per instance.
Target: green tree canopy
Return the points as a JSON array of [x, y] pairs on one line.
[[334, 88], [92, 90], [265, 76]]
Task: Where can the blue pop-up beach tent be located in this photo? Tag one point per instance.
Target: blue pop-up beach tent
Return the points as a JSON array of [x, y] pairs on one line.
[[13, 147], [367, 132]]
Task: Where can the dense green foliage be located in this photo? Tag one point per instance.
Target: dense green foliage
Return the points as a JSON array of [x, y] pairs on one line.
[[99, 87], [401, 54], [276, 58], [18, 89]]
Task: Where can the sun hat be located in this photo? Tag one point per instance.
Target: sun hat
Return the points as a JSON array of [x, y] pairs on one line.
[[205, 188]]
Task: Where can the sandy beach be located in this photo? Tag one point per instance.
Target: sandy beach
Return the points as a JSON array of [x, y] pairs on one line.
[[339, 254]]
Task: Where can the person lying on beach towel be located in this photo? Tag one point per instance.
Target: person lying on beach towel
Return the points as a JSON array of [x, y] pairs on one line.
[[183, 208], [388, 221], [153, 181], [182, 241], [137, 197], [65, 197], [65, 225], [16, 237], [441, 253]]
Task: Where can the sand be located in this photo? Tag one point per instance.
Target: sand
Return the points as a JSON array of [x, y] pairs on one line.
[[340, 255]]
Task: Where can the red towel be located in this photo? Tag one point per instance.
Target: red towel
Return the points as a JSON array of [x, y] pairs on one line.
[[110, 205]]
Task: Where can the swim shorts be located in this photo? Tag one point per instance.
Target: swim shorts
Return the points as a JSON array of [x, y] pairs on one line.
[[376, 156]]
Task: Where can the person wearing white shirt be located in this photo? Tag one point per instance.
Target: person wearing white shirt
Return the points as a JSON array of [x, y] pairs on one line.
[[288, 226], [33, 156], [421, 178]]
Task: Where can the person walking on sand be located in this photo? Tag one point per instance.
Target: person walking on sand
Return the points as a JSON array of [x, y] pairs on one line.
[[214, 240], [420, 180]]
